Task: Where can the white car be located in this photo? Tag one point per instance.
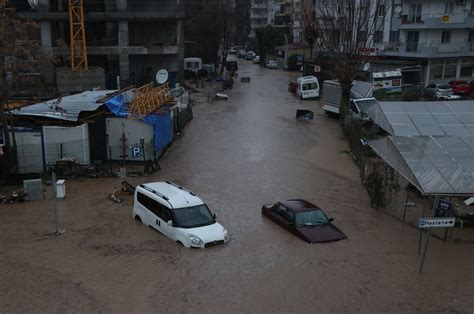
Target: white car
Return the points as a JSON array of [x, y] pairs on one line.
[[256, 60], [271, 64], [178, 214]]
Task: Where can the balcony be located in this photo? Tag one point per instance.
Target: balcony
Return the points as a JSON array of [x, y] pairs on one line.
[[428, 50], [437, 21]]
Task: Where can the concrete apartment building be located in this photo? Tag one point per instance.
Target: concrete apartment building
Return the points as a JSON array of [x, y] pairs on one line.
[[130, 38], [261, 12], [439, 34], [277, 13]]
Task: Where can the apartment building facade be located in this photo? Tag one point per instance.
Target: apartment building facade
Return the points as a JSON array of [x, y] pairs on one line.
[[129, 38], [439, 34]]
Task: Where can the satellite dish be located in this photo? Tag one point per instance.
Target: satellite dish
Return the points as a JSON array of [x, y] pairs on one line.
[[367, 66], [398, 9], [161, 76], [33, 4]]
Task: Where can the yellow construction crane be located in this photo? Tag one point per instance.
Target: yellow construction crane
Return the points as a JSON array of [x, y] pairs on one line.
[[78, 45]]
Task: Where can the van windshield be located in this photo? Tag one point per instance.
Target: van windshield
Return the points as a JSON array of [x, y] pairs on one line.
[[310, 86], [193, 217]]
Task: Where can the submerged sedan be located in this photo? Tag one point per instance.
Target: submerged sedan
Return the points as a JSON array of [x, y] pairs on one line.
[[305, 220]]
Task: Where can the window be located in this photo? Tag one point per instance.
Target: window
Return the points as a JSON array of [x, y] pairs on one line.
[[394, 37], [449, 7], [287, 214], [381, 10], [378, 37], [446, 37], [166, 214], [415, 13], [149, 204]]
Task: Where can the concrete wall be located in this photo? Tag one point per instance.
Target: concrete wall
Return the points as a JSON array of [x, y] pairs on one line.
[[70, 82]]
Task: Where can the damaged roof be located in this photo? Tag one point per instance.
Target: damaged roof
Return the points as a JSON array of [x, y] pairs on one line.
[[66, 108]]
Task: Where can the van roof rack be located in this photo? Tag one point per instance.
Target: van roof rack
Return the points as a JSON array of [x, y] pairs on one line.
[[180, 187], [166, 198]]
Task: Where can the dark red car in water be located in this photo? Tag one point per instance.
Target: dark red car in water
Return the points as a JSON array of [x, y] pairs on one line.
[[305, 220]]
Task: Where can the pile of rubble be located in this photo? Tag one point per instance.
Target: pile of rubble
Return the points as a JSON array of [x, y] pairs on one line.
[[17, 196]]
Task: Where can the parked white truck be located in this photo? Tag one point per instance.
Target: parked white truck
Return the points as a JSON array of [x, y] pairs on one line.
[[361, 93]]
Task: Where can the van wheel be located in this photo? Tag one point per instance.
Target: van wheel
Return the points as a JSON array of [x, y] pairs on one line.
[[138, 219]]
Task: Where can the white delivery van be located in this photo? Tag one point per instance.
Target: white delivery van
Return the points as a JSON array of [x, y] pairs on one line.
[[178, 214], [307, 87]]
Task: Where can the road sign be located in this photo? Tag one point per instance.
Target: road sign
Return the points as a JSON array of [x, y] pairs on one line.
[[136, 151], [442, 209], [424, 223]]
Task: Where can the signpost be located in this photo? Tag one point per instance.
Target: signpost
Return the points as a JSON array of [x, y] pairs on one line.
[[425, 223], [441, 209]]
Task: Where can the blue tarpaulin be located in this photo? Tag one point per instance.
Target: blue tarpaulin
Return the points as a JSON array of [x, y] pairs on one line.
[[162, 127]]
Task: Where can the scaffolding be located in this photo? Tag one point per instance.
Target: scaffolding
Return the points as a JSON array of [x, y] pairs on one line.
[[77, 36], [149, 99]]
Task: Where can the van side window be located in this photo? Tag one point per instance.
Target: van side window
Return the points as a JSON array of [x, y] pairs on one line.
[[150, 204]]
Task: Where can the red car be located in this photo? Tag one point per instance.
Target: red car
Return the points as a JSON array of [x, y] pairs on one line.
[[305, 220], [460, 87]]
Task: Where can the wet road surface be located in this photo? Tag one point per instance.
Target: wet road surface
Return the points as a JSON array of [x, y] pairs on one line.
[[236, 155]]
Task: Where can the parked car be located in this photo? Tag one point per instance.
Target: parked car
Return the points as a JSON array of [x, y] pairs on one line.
[[231, 66], [305, 220], [460, 87], [256, 60], [178, 214], [232, 51], [250, 55], [242, 53], [439, 92], [271, 64]]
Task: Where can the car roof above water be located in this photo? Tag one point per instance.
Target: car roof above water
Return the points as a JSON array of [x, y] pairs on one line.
[[177, 196], [299, 205]]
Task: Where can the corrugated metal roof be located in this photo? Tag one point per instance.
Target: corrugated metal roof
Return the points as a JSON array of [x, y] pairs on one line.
[[423, 118], [66, 108], [436, 165]]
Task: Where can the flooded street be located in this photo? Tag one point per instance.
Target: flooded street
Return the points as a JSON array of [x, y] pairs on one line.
[[236, 155]]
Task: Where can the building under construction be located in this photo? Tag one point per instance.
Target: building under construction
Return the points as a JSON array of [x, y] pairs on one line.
[[129, 39]]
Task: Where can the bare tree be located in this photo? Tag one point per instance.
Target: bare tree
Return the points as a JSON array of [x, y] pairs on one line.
[[342, 33], [210, 26], [26, 71]]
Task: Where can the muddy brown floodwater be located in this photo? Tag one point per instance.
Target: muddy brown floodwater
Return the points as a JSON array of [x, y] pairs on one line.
[[236, 155]]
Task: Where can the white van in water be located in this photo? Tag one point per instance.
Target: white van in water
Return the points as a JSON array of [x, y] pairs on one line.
[[178, 214], [307, 87]]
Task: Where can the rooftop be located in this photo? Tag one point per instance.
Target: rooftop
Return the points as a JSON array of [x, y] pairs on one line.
[[436, 165], [423, 118], [66, 108], [177, 196], [299, 205]]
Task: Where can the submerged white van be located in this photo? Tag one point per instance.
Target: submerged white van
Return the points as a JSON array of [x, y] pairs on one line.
[[178, 214], [307, 87]]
